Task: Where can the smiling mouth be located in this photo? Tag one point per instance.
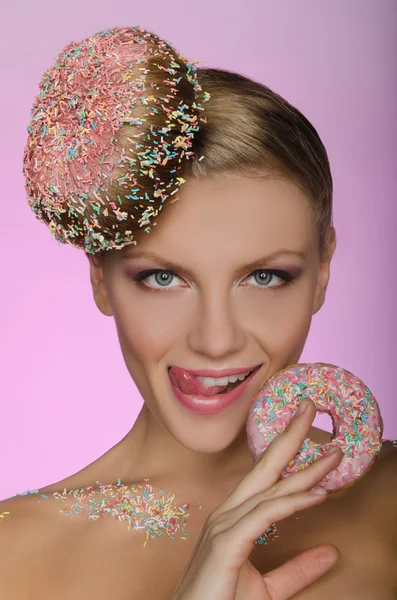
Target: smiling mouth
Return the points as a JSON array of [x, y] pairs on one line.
[[231, 386], [196, 387]]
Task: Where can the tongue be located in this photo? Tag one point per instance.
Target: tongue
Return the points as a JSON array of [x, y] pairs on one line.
[[189, 384]]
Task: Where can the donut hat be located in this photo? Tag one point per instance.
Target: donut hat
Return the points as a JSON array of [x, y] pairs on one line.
[[84, 99]]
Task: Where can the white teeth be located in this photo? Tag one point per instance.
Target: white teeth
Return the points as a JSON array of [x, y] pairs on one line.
[[210, 381]]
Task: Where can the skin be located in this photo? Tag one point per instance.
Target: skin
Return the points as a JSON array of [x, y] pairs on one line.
[[211, 317]]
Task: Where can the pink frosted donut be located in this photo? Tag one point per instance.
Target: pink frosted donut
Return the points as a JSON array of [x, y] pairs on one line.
[[355, 414]]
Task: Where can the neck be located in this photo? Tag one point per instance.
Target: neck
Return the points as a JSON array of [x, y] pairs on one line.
[[150, 451]]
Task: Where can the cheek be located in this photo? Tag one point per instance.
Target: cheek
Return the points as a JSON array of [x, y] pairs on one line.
[[292, 334], [146, 327], [287, 334], [281, 319]]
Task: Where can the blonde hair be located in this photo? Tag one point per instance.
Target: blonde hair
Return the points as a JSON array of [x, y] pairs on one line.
[[252, 130]]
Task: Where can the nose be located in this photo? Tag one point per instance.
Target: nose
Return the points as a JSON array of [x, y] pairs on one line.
[[216, 332]]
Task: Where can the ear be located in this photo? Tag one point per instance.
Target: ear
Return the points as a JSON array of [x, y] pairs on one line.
[[97, 277], [323, 276]]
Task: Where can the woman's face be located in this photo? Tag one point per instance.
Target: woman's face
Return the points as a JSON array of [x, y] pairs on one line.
[[211, 310]]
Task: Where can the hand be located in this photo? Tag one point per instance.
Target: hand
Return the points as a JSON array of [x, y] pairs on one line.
[[219, 568]]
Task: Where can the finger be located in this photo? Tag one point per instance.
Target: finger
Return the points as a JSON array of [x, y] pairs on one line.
[[307, 478], [267, 470], [300, 572], [226, 532], [298, 482]]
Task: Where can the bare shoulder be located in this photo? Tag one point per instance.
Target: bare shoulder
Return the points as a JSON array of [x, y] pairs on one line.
[[26, 536], [387, 461], [16, 518], [16, 539], [384, 488], [384, 471], [389, 490]]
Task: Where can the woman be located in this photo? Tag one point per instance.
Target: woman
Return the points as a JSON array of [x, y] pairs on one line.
[[226, 283]]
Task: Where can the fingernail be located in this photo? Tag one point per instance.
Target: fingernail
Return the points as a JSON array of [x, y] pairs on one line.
[[318, 491], [302, 407]]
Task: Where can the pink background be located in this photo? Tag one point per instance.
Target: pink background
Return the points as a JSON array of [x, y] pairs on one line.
[[66, 396]]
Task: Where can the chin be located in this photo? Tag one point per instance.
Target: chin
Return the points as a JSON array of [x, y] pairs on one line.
[[207, 437]]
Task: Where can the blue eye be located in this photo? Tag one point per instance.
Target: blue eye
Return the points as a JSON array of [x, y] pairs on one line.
[[267, 276], [263, 277], [161, 277]]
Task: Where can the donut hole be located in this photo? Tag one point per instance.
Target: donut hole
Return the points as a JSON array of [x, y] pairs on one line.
[[323, 421]]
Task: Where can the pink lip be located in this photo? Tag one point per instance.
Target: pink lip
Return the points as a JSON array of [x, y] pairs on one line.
[[209, 405], [220, 373]]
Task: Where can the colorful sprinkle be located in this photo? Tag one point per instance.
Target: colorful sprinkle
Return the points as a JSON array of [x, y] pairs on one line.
[[269, 536], [154, 513]]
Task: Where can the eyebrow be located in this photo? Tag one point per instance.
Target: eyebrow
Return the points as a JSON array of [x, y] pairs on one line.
[[171, 266]]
